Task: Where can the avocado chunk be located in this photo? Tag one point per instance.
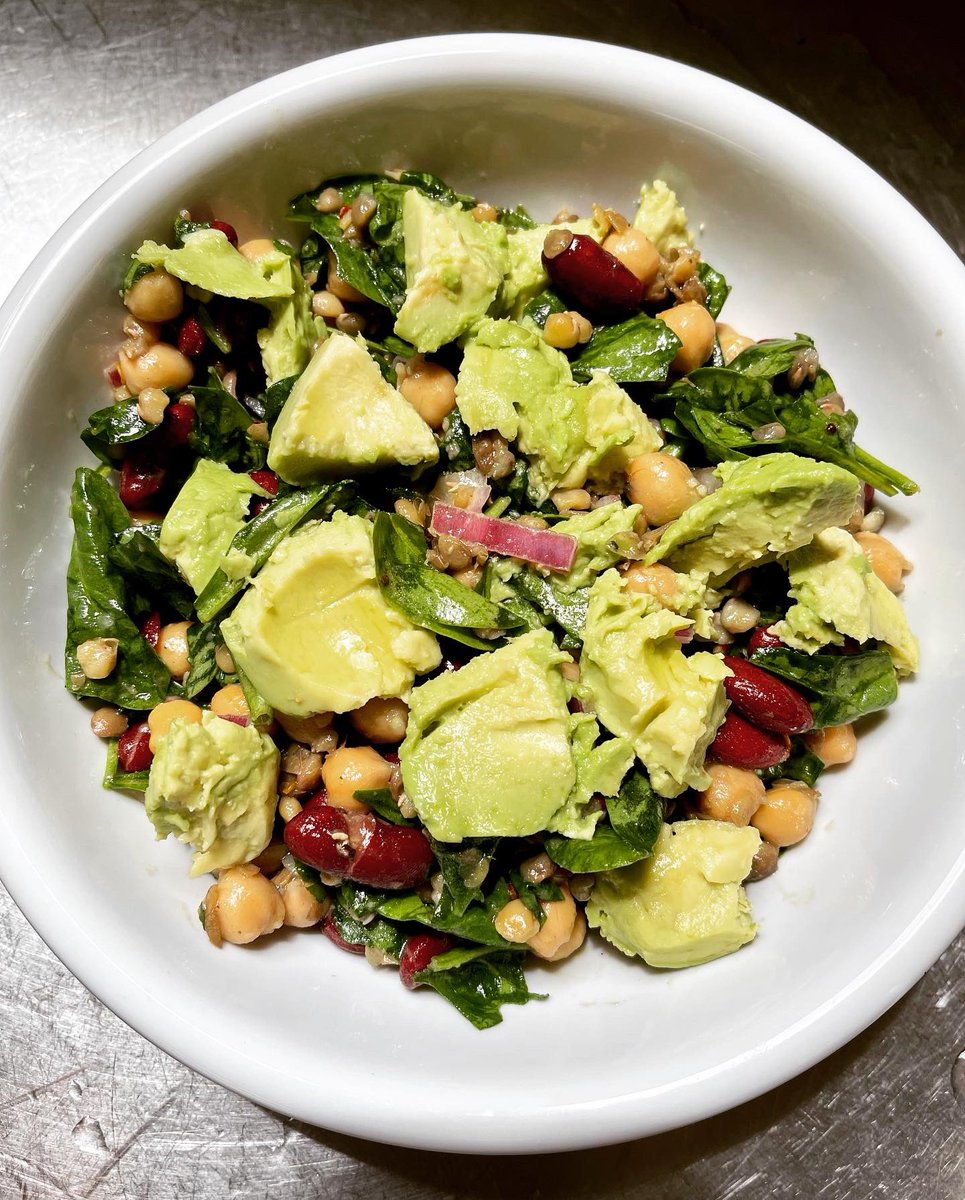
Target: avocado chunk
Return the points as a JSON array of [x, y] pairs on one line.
[[512, 381], [343, 417], [600, 534], [838, 596], [662, 218], [454, 266], [207, 512], [488, 749], [313, 633], [214, 786], [208, 260], [286, 341], [643, 687], [684, 905], [765, 507]]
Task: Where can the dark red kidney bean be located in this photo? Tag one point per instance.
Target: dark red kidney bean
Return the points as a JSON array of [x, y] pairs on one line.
[[766, 700], [266, 479], [114, 377], [191, 338], [390, 856], [318, 835], [179, 421], [141, 481], [741, 744], [763, 639], [869, 496], [418, 951], [330, 929], [599, 283], [227, 230], [134, 748], [151, 629]]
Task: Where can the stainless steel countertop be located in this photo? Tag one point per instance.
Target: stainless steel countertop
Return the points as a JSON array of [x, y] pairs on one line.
[[90, 1109]]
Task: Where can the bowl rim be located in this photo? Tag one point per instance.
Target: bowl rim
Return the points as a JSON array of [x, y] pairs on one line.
[[518, 61]]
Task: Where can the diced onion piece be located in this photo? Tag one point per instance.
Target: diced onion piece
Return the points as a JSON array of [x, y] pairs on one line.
[[464, 489], [555, 551]]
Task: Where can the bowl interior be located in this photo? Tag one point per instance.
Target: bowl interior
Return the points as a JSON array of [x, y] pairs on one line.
[[810, 240]]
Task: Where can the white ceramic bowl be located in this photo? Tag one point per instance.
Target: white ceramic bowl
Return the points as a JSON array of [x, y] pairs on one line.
[[811, 239]]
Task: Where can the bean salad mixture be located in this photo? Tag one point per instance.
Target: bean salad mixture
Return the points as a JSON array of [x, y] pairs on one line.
[[454, 583]]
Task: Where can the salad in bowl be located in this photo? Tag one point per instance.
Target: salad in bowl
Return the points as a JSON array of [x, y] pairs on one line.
[[458, 585]]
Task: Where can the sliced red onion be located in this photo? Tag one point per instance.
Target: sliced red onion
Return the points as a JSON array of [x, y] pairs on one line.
[[684, 636], [555, 551], [463, 489]]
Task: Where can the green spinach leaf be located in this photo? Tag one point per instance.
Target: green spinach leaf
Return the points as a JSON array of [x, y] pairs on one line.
[[843, 687], [138, 557], [636, 351], [274, 398], [382, 801], [541, 306], [606, 850], [802, 764], [475, 924], [117, 778], [478, 984], [97, 602], [567, 609], [637, 812], [204, 638], [718, 289], [117, 425], [456, 443], [221, 429]]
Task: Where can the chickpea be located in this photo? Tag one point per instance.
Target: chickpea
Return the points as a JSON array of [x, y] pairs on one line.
[[657, 580], [289, 808], [663, 485], [257, 248], [484, 212], [163, 715], [557, 927], [258, 432], [787, 815], [382, 720], [302, 909], [156, 297], [159, 366], [98, 657], [733, 794], [887, 561], [573, 942], [315, 730], [569, 500], [327, 304], [151, 404], [224, 660], [353, 769], [230, 702], [338, 287], [430, 389], [515, 922], [695, 327], [248, 906], [835, 745], [737, 616], [731, 342], [636, 251], [172, 648], [108, 723]]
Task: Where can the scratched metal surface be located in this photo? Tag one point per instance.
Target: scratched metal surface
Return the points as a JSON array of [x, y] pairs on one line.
[[87, 1107]]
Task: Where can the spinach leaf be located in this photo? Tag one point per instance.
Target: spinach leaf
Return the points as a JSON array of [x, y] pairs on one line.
[[721, 407], [138, 557], [516, 218], [426, 596], [478, 983], [463, 872], [637, 812], [802, 764], [718, 289], [456, 443], [386, 352], [184, 225], [264, 532], [636, 351], [843, 687], [605, 851], [221, 429], [97, 602], [475, 924], [309, 877], [541, 306], [772, 357], [135, 271], [117, 778], [203, 642], [384, 803], [384, 935], [117, 425], [212, 332], [567, 609], [274, 398]]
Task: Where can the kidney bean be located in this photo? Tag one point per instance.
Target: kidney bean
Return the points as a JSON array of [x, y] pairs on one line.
[[741, 744], [266, 479], [599, 283], [179, 421], [390, 856], [330, 929], [763, 639], [869, 497], [141, 480], [418, 951], [191, 338], [134, 748], [227, 230], [766, 700], [151, 629], [319, 836]]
